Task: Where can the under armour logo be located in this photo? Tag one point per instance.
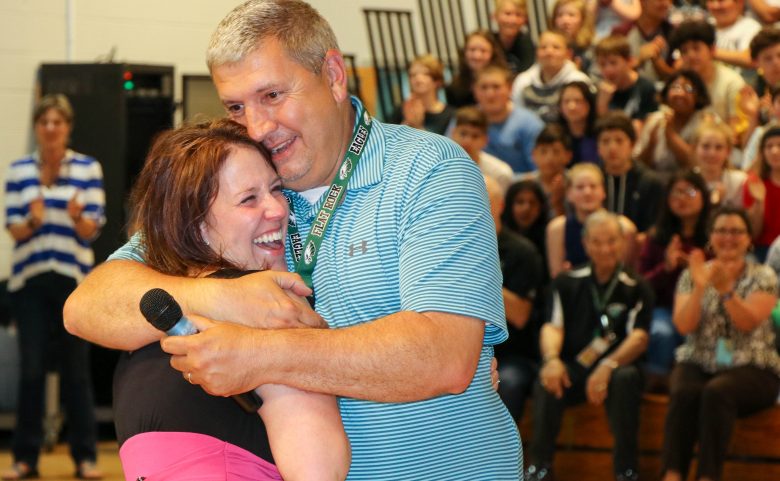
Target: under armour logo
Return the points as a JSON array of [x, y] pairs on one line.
[[363, 248]]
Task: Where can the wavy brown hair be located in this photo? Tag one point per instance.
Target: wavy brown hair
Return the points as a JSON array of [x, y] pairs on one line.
[[175, 190]]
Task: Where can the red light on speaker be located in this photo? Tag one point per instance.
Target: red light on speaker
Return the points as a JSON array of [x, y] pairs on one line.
[[128, 75]]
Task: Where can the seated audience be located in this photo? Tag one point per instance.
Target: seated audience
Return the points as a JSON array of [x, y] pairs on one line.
[[712, 146], [728, 366], [765, 52], [665, 142], [423, 109], [512, 129], [538, 87], [585, 194], [526, 212], [696, 41], [681, 228], [479, 50], [591, 345], [521, 266], [551, 154], [621, 87], [733, 32], [772, 117], [577, 105], [632, 190], [762, 193], [648, 38], [574, 20], [511, 17], [471, 132]]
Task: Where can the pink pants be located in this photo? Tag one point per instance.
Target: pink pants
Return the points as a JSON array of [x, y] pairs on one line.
[[171, 456]]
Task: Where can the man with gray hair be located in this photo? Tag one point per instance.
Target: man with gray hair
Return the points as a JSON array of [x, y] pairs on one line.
[[595, 334], [407, 275]]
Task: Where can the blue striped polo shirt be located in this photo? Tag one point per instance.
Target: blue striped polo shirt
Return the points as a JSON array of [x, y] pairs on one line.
[[414, 233], [55, 245]]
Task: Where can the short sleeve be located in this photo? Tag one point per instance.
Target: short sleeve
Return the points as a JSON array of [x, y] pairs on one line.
[[685, 283], [133, 250]]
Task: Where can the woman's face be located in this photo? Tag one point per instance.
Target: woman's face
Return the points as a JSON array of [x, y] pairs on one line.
[[771, 153], [478, 53], [247, 222], [681, 96], [526, 208], [568, 19], [574, 106], [711, 152], [729, 237], [685, 201], [52, 130]]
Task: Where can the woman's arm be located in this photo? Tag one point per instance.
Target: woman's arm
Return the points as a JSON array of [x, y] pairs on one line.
[[629, 10], [306, 434], [748, 313]]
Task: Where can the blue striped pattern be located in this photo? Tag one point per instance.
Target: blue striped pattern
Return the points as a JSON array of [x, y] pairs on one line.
[[415, 233], [55, 246]]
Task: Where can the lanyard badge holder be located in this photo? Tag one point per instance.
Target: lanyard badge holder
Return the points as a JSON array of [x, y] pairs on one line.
[[305, 253], [604, 338]]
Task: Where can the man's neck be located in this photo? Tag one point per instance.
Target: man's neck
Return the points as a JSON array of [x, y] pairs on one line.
[[603, 274], [707, 73], [498, 116], [710, 173], [507, 39], [627, 80], [618, 170], [648, 25], [548, 74], [577, 129], [582, 215], [51, 155]]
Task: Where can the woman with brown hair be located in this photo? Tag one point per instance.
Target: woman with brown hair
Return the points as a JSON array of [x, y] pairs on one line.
[[209, 200]]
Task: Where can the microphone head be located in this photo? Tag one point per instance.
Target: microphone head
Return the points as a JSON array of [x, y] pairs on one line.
[[160, 309]]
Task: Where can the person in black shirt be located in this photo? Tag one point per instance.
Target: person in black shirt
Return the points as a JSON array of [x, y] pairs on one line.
[[521, 266], [595, 334], [632, 191], [511, 17], [423, 109]]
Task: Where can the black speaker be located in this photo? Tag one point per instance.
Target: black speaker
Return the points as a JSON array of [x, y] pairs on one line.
[[118, 108]]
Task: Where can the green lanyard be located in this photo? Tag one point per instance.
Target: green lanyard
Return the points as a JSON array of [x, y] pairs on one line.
[[600, 303], [306, 257]]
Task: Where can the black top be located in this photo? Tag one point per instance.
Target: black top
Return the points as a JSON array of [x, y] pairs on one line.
[[637, 195], [521, 266], [521, 54], [637, 101], [149, 395], [436, 123], [571, 306]]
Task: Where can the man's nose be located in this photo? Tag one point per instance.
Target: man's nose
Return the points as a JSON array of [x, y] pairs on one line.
[[259, 124]]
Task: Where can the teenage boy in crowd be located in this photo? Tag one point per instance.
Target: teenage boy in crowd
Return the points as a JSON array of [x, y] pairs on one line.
[[757, 105], [648, 38], [621, 87], [512, 129], [552, 154], [696, 41], [471, 133], [632, 190], [733, 32], [511, 16], [537, 88], [595, 333], [423, 109]]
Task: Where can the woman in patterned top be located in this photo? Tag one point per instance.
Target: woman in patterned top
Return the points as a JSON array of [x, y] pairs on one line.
[[728, 366]]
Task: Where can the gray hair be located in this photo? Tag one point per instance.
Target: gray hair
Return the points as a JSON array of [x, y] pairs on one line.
[[304, 34], [58, 102], [599, 218]]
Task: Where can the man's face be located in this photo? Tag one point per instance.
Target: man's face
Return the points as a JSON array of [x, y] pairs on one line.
[[604, 245], [471, 138], [615, 148], [696, 56], [614, 68], [769, 63], [291, 110], [492, 93]]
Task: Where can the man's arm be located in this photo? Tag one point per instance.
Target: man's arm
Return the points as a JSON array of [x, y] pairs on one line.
[[104, 308], [391, 359]]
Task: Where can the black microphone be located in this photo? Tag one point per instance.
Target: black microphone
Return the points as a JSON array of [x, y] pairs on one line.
[[164, 313]]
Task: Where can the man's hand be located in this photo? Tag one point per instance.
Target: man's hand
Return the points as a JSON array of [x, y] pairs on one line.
[[598, 382], [554, 377], [219, 357], [268, 299]]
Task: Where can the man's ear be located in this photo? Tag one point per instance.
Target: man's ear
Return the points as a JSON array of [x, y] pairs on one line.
[[336, 72]]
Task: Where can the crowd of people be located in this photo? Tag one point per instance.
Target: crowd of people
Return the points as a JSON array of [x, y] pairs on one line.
[[639, 155]]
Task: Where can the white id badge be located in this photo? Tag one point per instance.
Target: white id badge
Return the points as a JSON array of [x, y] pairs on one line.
[[593, 351]]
